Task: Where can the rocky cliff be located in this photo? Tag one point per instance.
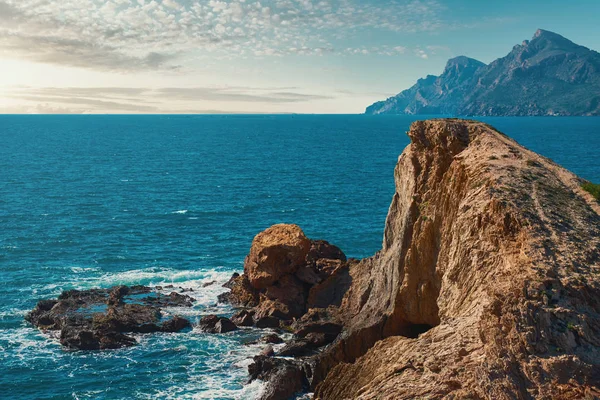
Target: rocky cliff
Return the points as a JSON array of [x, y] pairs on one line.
[[549, 75], [488, 282], [487, 285]]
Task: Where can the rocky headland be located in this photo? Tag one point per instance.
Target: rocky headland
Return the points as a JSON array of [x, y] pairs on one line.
[[487, 284]]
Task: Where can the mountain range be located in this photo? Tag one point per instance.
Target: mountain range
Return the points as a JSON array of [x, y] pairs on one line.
[[548, 75]]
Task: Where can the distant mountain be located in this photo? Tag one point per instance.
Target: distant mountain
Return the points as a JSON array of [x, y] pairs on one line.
[[549, 75]]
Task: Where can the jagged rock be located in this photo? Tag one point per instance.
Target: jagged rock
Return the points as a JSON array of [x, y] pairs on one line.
[[216, 324], [174, 299], [321, 249], [272, 309], [275, 252], [283, 378], [487, 284], [290, 292], [268, 351], [243, 318], [242, 294], [267, 322], [98, 319], [271, 338], [308, 275], [332, 290], [175, 324], [229, 284], [224, 325]]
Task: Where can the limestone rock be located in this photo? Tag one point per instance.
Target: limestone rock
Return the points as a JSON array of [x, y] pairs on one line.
[[275, 252], [487, 284]]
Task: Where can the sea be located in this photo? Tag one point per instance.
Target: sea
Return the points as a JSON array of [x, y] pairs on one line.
[[97, 201]]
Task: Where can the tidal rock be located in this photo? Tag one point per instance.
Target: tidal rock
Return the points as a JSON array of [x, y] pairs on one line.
[[242, 294], [175, 324], [267, 322], [174, 299], [283, 378], [271, 338], [268, 351], [99, 319], [275, 252], [216, 324], [297, 348], [243, 318]]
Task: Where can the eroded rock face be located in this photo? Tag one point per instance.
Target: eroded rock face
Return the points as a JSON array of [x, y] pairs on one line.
[[100, 319], [275, 252], [487, 285]]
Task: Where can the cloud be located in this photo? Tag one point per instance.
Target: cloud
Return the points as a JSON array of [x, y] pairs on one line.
[[157, 100], [131, 35]]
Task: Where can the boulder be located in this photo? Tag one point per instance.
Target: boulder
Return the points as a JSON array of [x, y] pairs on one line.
[[271, 338], [175, 324], [243, 318], [216, 324], [225, 325], [297, 348], [268, 351], [275, 252], [283, 378]]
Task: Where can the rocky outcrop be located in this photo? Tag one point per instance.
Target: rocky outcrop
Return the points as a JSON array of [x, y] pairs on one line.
[[549, 75], [99, 319], [487, 284], [285, 275]]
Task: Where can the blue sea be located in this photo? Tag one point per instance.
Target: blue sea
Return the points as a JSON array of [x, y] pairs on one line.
[[96, 201]]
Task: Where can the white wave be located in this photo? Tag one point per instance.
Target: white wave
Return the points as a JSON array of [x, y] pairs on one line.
[[180, 212], [13, 312]]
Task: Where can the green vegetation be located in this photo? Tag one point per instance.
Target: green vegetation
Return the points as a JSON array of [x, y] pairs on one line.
[[571, 326], [593, 189]]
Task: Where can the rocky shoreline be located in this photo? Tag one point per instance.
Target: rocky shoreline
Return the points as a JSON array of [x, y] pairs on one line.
[[486, 287]]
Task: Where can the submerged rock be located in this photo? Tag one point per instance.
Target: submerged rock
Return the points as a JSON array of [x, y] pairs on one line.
[[100, 319]]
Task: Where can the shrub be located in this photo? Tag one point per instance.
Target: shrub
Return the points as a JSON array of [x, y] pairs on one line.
[[593, 189]]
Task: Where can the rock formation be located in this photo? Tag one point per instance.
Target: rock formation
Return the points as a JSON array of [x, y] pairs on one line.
[[99, 319], [487, 285], [549, 75]]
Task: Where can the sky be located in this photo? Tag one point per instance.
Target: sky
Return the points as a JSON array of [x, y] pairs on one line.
[[248, 56]]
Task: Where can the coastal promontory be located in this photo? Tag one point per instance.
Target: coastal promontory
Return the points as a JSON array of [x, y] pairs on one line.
[[487, 284]]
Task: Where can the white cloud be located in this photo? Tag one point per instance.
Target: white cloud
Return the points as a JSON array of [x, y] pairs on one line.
[[134, 34]]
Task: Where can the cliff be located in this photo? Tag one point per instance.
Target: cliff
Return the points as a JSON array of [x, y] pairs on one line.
[[549, 75], [487, 285]]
